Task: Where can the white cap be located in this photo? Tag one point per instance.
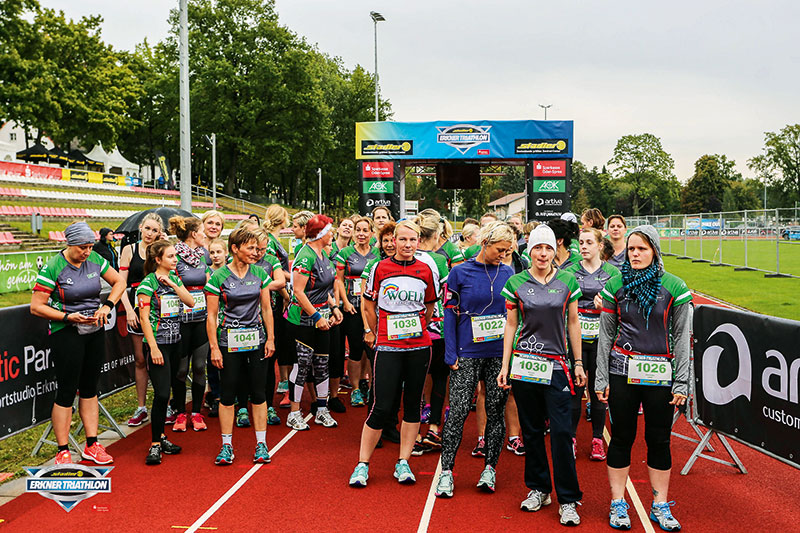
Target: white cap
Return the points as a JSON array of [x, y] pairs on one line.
[[569, 217], [542, 234]]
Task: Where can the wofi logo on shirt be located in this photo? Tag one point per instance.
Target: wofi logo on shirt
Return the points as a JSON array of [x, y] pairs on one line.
[[393, 292]]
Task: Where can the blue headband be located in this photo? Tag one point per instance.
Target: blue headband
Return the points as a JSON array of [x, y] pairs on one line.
[[78, 234]]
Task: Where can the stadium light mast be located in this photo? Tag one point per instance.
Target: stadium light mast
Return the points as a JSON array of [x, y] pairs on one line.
[[185, 141], [376, 17], [545, 107]]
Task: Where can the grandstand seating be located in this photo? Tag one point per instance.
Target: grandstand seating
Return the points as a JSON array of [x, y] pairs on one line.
[[6, 237], [50, 182]]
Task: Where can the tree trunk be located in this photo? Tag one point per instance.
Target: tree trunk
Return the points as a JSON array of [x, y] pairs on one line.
[[230, 181]]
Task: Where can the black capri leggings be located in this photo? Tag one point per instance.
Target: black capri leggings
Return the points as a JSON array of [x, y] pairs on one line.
[[623, 405], [597, 408], [393, 371], [162, 377], [353, 331], [439, 371], [336, 356], [285, 349], [249, 367], [78, 359], [194, 349]]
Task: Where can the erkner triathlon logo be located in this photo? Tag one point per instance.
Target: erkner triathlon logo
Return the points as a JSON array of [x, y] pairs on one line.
[[68, 484], [462, 137]]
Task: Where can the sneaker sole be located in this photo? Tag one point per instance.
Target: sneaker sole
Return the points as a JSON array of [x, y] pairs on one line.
[[178, 430], [478, 455], [597, 458], [545, 503], [261, 460], [306, 428], [358, 484], [165, 452], [654, 519], [486, 487], [622, 527], [444, 494], [223, 462], [152, 463], [136, 424], [406, 481], [323, 424], [90, 458]]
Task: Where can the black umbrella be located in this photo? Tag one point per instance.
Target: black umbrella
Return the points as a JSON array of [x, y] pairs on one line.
[[130, 226], [35, 154]]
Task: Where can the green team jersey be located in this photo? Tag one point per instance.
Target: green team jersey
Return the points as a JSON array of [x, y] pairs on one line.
[[471, 251], [438, 266], [452, 253], [239, 300], [72, 289], [321, 274], [276, 249], [165, 307], [591, 283], [353, 264]]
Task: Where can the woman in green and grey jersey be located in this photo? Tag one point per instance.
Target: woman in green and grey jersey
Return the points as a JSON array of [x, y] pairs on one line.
[[350, 265], [162, 299], [566, 232], [241, 336], [617, 228], [542, 305], [312, 313], [343, 239], [67, 293], [592, 274], [643, 359]]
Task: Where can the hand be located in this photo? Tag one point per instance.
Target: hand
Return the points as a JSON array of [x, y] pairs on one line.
[[164, 280], [216, 357], [323, 324], [338, 317], [454, 366], [369, 339], [598, 301], [101, 317], [678, 399], [602, 395], [580, 376], [502, 379], [132, 319], [78, 318], [155, 355], [349, 308], [269, 348]]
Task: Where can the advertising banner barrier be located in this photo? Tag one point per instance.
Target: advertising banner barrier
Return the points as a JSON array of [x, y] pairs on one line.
[[18, 270], [747, 368], [30, 171], [549, 186], [27, 370]]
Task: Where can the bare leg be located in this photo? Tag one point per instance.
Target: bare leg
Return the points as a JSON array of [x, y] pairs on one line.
[[260, 416], [284, 370], [512, 417], [369, 439], [61, 418], [480, 409], [89, 412], [617, 477], [408, 435], [659, 481], [226, 416], [334, 383]]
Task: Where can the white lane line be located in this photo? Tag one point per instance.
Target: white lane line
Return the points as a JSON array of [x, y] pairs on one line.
[[425, 520], [644, 517], [242, 480]]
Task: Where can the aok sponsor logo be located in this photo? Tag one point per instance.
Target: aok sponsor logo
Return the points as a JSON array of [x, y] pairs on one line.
[[549, 202], [387, 147], [462, 137], [378, 187], [377, 169], [540, 146], [549, 186], [550, 169]]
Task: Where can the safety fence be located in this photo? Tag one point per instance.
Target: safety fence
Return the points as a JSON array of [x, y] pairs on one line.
[[767, 240]]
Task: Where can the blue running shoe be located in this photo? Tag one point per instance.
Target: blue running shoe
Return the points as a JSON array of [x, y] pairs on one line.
[[661, 515], [356, 398], [272, 417], [242, 418], [225, 456], [618, 516], [262, 453], [360, 476], [426, 414], [402, 472]]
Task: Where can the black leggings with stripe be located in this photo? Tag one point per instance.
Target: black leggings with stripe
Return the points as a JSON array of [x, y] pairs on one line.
[[394, 371]]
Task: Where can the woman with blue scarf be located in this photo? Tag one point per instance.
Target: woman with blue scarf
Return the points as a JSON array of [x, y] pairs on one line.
[[643, 308]]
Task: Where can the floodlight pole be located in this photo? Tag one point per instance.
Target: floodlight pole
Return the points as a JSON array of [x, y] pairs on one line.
[[376, 17], [185, 141], [319, 180], [545, 107]]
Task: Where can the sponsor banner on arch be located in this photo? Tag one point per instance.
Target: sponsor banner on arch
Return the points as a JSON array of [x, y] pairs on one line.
[[747, 368], [380, 186]]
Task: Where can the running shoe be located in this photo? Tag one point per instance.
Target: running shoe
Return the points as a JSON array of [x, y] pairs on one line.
[[344, 383], [426, 414], [138, 418], [63, 457], [641, 409], [446, 414], [198, 422], [225, 456], [336, 405], [574, 448], [213, 411], [171, 415], [285, 402], [618, 516], [588, 411], [535, 501], [168, 448], [180, 422], [515, 445], [262, 453], [153, 455], [272, 417], [296, 422], [360, 475], [402, 472], [283, 386], [419, 448], [356, 398], [487, 479], [363, 386], [242, 418], [569, 514], [598, 450], [661, 514], [97, 453], [480, 448], [324, 418], [433, 439], [444, 488]]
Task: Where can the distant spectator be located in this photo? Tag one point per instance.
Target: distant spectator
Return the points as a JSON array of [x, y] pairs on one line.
[[593, 218], [254, 218], [488, 218], [106, 247]]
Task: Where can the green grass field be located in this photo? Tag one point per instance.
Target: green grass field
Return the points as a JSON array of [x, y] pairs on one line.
[[761, 253]]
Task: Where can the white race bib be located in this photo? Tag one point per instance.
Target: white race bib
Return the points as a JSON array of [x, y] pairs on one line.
[[199, 303], [649, 370], [531, 368], [488, 328], [403, 326], [357, 287], [590, 326], [242, 339], [170, 306]]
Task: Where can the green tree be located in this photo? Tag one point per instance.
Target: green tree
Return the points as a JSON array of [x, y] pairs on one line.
[[779, 161], [641, 162], [705, 190]]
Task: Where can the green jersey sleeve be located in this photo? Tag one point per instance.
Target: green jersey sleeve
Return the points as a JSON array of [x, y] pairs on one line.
[[261, 274], [148, 286], [471, 252], [610, 269], [612, 286], [510, 289], [214, 285], [98, 259], [48, 275], [572, 284], [304, 261], [677, 288]]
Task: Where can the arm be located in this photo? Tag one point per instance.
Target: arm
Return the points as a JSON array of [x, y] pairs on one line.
[[299, 282], [574, 331], [429, 312], [681, 325], [346, 305], [147, 329], [512, 322], [269, 323], [451, 322], [124, 264], [212, 309], [608, 330], [40, 308], [370, 315], [184, 295], [278, 280]]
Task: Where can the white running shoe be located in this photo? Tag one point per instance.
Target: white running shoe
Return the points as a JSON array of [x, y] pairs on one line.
[[569, 514], [535, 501], [296, 422], [324, 418]]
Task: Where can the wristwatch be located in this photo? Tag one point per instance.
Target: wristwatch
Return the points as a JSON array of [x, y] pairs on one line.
[[367, 330]]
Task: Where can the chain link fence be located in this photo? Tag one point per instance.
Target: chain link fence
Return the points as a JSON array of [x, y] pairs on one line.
[[766, 240]]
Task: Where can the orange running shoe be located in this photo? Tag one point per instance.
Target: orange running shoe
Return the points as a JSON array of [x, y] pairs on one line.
[[63, 457], [180, 422], [198, 422], [97, 453]]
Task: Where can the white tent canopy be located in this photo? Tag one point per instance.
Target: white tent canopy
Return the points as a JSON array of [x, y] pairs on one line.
[[114, 162]]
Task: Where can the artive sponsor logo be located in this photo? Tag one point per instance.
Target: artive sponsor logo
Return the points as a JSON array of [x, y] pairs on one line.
[[387, 147], [540, 146], [462, 137], [548, 169], [549, 185], [377, 169], [549, 202], [378, 187], [380, 202]]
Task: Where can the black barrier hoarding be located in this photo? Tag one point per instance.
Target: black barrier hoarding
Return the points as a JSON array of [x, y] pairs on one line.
[[747, 368], [548, 185], [380, 186], [27, 369]]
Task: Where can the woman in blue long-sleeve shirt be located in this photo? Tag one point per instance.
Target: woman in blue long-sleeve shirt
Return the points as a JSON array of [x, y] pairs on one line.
[[474, 322]]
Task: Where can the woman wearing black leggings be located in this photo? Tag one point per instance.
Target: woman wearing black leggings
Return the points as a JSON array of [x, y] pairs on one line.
[[161, 296], [637, 364]]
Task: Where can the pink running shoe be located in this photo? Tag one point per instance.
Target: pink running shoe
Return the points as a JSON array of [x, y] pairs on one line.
[[63, 457], [97, 453], [180, 422], [198, 422], [138, 418], [598, 450]]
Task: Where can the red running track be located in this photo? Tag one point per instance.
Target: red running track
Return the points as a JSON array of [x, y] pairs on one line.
[[305, 489]]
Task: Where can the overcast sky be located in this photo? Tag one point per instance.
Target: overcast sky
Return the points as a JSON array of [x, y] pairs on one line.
[[706, 76]]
